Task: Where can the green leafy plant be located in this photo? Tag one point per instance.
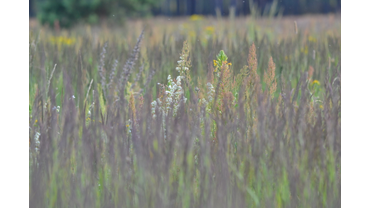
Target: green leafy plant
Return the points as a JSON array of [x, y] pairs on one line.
[[66, 13]]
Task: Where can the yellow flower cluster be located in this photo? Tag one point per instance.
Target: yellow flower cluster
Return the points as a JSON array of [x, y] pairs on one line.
[[304, 50], [316, 82], [210, 30], [196, 17], [215, 64], [192, 34], [312, 39], [62, 40]]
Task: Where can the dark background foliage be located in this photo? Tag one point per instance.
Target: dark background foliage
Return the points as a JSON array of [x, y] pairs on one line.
[[68, 12]]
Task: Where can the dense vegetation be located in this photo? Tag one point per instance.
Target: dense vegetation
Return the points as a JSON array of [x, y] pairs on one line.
[[66, 13], [190, 113], [69, 12]]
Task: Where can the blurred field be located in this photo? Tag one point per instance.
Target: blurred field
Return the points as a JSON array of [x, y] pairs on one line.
[[246, 27], [254, 125]]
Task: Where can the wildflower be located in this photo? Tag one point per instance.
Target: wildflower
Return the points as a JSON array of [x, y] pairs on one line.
[[56, 108], [178, 80], [196, 17], [316, 82], [203, 101], [220, 61], [311, 39], [184, 62], [154, 105], [62, 40], [210, 92], [269, 77], [192, 34], [304, 50], [174, 94], [128, 125], [210, 30], [37, 141]]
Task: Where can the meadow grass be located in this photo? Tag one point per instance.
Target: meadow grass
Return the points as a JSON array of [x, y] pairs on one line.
[[186, 113]]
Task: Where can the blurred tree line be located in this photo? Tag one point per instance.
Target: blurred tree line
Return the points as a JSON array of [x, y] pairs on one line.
[[67, 12], [244, 7]]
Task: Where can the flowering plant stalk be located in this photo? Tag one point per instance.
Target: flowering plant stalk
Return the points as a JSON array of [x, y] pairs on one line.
[[172, 93]]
